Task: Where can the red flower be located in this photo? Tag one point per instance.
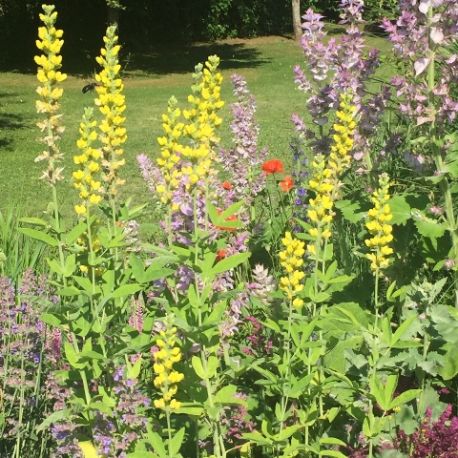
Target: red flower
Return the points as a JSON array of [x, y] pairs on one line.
[[221, 254], [273, 166], [286, 184], [227, 185]]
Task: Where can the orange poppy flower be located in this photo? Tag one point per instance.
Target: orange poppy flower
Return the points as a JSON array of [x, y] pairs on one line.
[[286, 184], [227, 185], [272, 166]]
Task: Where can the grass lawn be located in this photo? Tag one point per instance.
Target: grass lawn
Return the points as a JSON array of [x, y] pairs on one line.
[[150, 79]]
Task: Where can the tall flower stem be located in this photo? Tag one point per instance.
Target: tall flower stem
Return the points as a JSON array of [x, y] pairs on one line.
[[169, 431]]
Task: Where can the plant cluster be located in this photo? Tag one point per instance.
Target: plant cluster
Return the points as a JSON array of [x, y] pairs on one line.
[[302, 309]]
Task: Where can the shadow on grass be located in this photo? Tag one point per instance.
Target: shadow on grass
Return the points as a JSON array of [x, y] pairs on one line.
[[159, 60], [8, 123]]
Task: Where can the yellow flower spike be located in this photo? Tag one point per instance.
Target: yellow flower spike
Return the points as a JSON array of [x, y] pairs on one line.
[[378, 227], [187, 146], [86, 179], [167, 377], [325, 177], [291, 259], [111, 103], [49, 76]]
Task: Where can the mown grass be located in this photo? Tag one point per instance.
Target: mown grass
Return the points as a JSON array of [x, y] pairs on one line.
[[150, 79]]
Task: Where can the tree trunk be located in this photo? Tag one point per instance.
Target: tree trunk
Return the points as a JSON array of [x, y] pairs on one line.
[[296, 8]]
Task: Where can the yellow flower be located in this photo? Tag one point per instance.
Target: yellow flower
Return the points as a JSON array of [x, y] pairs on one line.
[[187, 146], [325, 179], [111, 103], [167, 378], [86, 178], [379, 228], [174, 404], [88, 449], [49, 76], [290, 260]]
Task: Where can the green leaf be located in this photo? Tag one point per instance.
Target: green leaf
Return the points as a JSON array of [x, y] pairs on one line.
[[76, 232], [198, 368], [50, 319], [404, 398], [257, 438], [152, 274], [177, 440], [190, 410], [430, 228], [39, 235], [133, 370], [226, 395], [287, 432], [72, 356], [351, 211], [400, 209], [212, 366], [32, 220], [402, 329], [126, 290], [158, 443], [333, 453], [449, 364], [52, 418], [229, 263], [332, 441], [70, 266], [55, 266], [85, 283], [69, 291]]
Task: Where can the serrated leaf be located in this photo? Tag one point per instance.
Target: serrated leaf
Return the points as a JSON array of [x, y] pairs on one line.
[[430, 228], [351, 211], [400, 210], [449, 365]]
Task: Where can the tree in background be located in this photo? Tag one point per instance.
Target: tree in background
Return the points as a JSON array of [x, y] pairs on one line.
[[296, 10]]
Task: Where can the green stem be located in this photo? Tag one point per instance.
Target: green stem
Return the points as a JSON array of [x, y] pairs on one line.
[[17, 448], [58, 230], [376, 303], [287, 364], [169, 432]]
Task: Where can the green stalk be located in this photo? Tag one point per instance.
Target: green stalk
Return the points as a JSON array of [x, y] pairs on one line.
[[17, 447], [169, 431], [287, 348]]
